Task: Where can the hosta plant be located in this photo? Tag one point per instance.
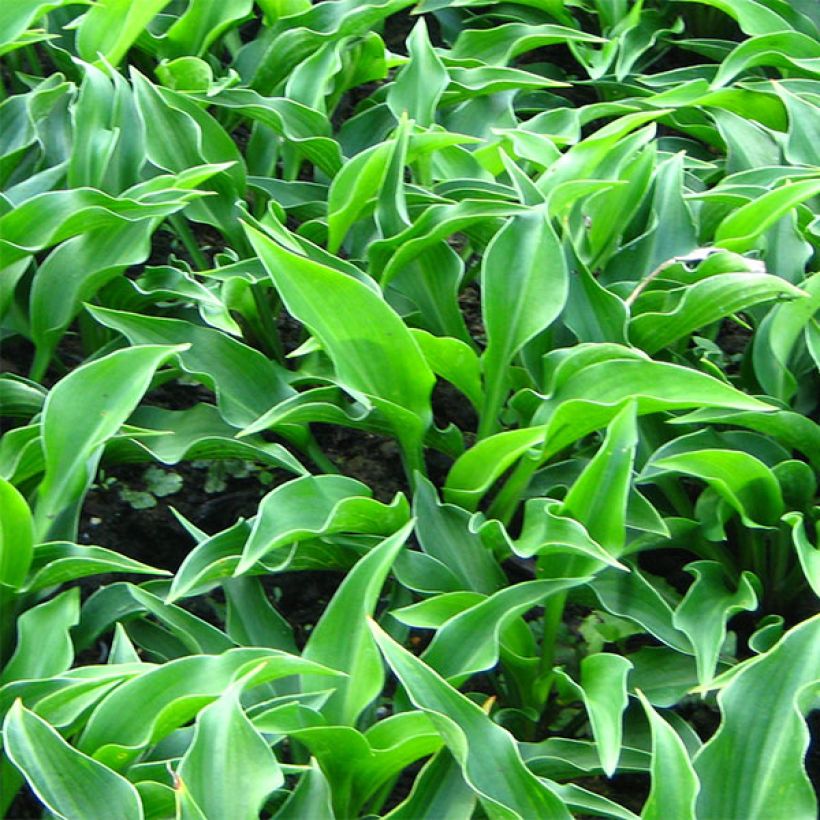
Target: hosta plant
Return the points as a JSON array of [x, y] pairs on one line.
[[515, 306]]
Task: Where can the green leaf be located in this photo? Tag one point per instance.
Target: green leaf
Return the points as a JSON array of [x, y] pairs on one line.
[[196, 433], [16, 17], [445, 534], [310, 798], [524, 285], [16, 537], [753, 16], [488, 755], [314, 506], [234, 784], [752, 767], [472, 473], [746, 484], [588, 397], [358, 181], [372, 350], [807, 553], [201, 24], [674, 782], [777, 341], [419, 85], [469, 642], [499, 44], [705, 302], [247, 384], [439, 790], [740, 230], [631, 595], [44, 646], [598, 498], [149, 707], [453, 360], [604, 693], [341, 639], [111, 27], [71, 784], [784, 49], [58, 562], [74, 431], [705, 609]]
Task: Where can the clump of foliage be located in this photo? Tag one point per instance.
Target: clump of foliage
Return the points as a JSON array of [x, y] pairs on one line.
[[562, 256]]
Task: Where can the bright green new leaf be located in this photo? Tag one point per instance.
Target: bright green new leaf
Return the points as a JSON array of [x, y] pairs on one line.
[[16, 537]]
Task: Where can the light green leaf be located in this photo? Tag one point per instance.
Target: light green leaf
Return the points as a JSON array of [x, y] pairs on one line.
[[44, 646], [341, 639], [752, 767], [74, 432], [71, 784], [674, 782], [524, 285], [16, 537], [488, 755], [229, 768], [603, 691], [373, 351], [705, 609]]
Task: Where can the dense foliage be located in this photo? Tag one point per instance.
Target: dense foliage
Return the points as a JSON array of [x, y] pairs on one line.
[[549, 268]]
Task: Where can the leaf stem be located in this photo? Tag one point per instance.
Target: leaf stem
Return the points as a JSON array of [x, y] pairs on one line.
[[186, 236], [494, 395], [553, 616], [317, 456], [509, 496], [267, 327]]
